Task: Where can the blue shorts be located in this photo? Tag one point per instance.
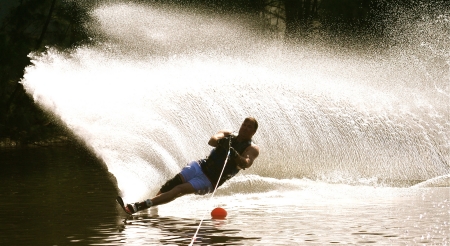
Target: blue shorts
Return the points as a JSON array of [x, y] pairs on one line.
[[193, 174]]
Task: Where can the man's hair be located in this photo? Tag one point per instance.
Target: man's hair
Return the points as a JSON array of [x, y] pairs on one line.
[[252, 119]]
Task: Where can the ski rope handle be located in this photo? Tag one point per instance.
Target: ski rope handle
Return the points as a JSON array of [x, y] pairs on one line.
[[215, 188]]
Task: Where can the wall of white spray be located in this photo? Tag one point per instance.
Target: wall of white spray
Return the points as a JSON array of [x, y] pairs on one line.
[[148, 98]]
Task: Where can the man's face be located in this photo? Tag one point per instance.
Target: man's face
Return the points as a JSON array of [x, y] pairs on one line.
[[247, 129]]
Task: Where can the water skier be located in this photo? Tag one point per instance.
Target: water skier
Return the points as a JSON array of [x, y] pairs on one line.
[[200, 177]]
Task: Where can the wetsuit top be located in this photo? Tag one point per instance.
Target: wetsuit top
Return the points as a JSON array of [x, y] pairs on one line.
[[212, 166]]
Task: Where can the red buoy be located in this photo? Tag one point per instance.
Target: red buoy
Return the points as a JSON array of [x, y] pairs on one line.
[[218, 213]]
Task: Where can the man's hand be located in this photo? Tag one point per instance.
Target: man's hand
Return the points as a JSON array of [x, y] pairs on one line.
[[214, 140], [224, 142]]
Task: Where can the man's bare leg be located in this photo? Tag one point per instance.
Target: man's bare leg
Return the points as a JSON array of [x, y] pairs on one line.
[[162, 198], [177, 191]]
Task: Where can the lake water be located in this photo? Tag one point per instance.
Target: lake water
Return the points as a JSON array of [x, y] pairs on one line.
[[354, 141], [65, 196]]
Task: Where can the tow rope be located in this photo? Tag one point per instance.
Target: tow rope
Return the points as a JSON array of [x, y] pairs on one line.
[[214, 191]]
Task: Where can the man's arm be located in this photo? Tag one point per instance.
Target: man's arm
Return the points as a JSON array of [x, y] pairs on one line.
[[219, 135], [246, 159]]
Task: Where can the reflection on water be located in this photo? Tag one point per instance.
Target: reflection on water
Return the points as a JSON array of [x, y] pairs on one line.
[[319, 214], [64, 196], [50, 194], [172, 230]]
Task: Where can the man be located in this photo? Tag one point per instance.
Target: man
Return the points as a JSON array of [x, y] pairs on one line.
[[201, 177]]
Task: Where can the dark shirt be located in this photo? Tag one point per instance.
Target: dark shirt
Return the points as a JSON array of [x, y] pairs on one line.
[[212, 166]]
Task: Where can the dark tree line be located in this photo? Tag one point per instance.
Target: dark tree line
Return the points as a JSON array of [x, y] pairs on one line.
[[31, 26], [360, 20], [299, 14], [332, 17]]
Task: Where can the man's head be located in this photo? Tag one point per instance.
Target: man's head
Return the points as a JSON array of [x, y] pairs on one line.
[[248, 128]]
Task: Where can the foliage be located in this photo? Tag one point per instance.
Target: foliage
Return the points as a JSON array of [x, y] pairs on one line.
[[32, 26]]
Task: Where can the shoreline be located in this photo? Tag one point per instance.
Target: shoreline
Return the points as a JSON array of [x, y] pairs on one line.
[[62, 140]]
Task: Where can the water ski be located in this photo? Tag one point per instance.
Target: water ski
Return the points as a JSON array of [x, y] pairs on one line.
[[122, 204]]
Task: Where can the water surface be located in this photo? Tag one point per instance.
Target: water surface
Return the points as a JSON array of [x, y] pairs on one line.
[[65, 196]]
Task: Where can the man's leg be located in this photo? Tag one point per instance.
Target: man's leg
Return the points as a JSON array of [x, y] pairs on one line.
[[173, 188], [172, 183], [161, 198], [177, 191]]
